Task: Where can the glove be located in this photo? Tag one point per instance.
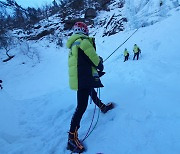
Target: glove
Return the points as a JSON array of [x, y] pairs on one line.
[[101, 59], [100, 73]]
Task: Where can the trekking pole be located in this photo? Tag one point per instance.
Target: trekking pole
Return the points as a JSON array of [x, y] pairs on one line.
[[121, 45]]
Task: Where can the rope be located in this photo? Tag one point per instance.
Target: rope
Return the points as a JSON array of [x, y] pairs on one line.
[[96, 120], [90, 124], [98, 91], [121, 45]]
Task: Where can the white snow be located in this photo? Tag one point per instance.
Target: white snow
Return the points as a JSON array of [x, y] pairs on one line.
[[36, 104]]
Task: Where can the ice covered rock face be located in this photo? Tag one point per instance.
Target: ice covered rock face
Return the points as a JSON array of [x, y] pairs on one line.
[[144, 12]]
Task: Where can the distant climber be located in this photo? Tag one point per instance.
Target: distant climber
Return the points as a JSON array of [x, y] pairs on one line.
[[136, 51], [1, 84], [126, 54]]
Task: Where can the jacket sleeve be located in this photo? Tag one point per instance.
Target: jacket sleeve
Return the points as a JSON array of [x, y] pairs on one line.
[[90, 52]]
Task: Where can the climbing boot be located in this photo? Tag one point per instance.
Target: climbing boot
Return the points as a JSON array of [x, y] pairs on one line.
[[74, 144], [105, 108]]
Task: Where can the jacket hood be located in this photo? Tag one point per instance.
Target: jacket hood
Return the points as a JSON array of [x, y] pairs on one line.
[[73, 38]]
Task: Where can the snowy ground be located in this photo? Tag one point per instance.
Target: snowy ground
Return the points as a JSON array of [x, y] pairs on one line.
[[36, 103]]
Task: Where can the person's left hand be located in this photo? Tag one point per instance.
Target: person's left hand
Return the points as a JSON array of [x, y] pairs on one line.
[[101, 73]]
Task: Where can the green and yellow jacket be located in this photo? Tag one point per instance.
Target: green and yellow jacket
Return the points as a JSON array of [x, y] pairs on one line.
[[83, 62], [136, 49], [125, 53]]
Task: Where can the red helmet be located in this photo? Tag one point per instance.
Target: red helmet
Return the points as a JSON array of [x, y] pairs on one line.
[[81, 27]]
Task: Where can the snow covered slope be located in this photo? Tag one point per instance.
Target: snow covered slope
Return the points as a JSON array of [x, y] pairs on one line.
[[36, 103]]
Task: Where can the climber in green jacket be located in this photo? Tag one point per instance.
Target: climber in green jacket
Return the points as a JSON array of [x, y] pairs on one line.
[[126, 54], [85, 66], [136, 51]]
